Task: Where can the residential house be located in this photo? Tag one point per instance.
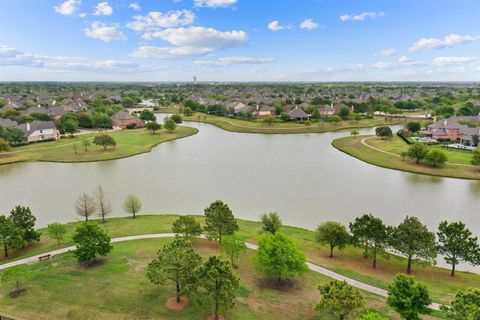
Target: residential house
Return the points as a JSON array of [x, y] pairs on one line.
[[38, 109], [7, 123], [56, 112], [298, 114], [464, 130], [122, 119], [38, 131], [263, 112]]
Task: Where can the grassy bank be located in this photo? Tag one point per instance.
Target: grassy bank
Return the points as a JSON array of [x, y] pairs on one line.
[[129, 143], [349, 262], [355, 148]]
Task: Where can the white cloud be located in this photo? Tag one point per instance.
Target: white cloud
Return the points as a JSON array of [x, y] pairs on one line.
[[155, 20], [170, 52], [260, 69], [404, 59], [103, 9], [102, 31], [309, 24], [82, 15], [362, 16], [448, 41], [214, 3], [135, 6], [68, 7], [275, 26], [387, 52], [441, 61], [227, 61]]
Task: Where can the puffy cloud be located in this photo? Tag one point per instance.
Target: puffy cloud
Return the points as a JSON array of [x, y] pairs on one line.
[[448, 41], [404, 59], [441, 61], [309, 24], [387, 52], [362, 16], [82, 15], [103, 9], [102, 31], [275, 26], [169, 52], [68, 7], [155, 20], [135, 6], [227, 61], [214, 3]]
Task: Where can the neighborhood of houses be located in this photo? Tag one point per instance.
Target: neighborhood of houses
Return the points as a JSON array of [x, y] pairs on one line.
[[464, 130]]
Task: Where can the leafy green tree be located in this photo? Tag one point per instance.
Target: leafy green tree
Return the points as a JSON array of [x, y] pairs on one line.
[[170, 125], [408, 298], [413, 127], [383, 132], [147, 115], [417, 151], [11, 236], [370, 315], [70, 126], [153, 126], [219, 221], [23, 219], [104, 140], [269, 120], [456, 244], [436, 158], [128, 102], [176, 118], [466, 305], [186, 227], [333, 234], [15, 136], [354, 133], [412, 239], [344, 113], [15, 275], [187, 111], [335, 119], [339, 299], [132, 205], [315, 114], [85, 206], [86, 143], [232, 246], [4, 145], [217, 285], [279, 258], [56, 231], [91, 241], [476, 157], [176, 262], [271, 222], [103, 205], [284, 117]]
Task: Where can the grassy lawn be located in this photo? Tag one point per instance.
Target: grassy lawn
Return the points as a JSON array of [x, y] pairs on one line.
[[355, 148], [129, 143], [349, 262], [118, 289]]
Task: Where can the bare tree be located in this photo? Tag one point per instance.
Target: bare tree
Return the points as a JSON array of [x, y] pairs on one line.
[[85, 206], [132, 205], [104, 206]]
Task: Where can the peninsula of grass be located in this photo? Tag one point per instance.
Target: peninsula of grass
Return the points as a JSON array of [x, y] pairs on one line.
[[349, 261], [129, 143], [386, 153]]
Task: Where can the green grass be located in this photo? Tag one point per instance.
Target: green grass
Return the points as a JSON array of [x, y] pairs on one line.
[[129, 143], [355, 148], [349, 261]]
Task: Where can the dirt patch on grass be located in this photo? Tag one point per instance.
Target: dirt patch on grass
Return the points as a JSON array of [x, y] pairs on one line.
[[212, 317], [285, 286], [97, 263], [137, 266], [172, 303], [17, 293]]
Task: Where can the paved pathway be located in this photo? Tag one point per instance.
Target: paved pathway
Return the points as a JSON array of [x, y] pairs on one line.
[[311, 266]]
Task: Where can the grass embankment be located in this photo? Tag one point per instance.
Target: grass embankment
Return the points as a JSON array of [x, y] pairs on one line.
[[129, 143], [457, 166], [349, 262], [244, 126]]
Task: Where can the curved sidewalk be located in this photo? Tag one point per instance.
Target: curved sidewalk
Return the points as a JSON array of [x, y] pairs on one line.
[[311, 266]]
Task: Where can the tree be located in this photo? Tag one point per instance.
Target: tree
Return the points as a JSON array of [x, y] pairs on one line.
[[271, 222], [187, 111], [383, 132], [56, 231], [219, 221], [217, 285], [269, 120], [417, 151], [128, 102], [86, 143], [412, 239], [23, 219], [70, 126], [232, 246], [335, 119], [456, 244], [408, 298], [476, 157], [105, 141], [147, 115], [344, 113], [413, 127], [104, 206], [466, 305], [279, 258], [339, 299], [91, 241], [436, 158], [333, 234], [4, 145], [15, 274], [176, 118], [169, 124], [85, 206], [186, 227], [132, 205], [11, 236], [176, 262], [354, 133], [153, 126], [371, 315]]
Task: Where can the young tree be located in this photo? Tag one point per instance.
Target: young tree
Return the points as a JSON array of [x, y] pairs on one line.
[[23, 219], [104, 206], [70, 126], [147, 115], [105, 141], [371, 315], [56, 231], [232, 246], [383, 132], [279, 258], [339, 299], [219, 221], [176, 118], [4, 145], [413, 127], [354, 133], [333, 234], [187, 111], [456, 244], [186, 227], [217, 285], [85, 206], [476, 157], [15, 275], [412, 239], [176, 262], [169, 124], [466, 305], [91, 241], [132, 205], [11, 237], [86, 143], [335, 119], [271, 222], [153, 126], [408, 298], [417, 151], [436, 158]]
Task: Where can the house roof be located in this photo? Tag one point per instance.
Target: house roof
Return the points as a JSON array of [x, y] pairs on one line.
[[298, 113], [36, 110], [57, 111], [7, 123], [37, 125], [122, 115]]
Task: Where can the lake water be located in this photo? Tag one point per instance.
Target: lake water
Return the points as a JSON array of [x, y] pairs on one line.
[[300, 176]]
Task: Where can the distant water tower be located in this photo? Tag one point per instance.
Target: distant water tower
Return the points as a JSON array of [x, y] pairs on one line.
[[194, 79]]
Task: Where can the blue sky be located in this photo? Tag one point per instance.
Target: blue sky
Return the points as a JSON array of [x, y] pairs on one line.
[[240, 40]]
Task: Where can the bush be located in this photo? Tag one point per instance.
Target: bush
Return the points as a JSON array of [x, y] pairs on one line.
[[436, 158], [131, 126], [176, 118]]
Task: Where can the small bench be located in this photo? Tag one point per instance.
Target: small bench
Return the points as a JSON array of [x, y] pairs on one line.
[[45, 257]]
